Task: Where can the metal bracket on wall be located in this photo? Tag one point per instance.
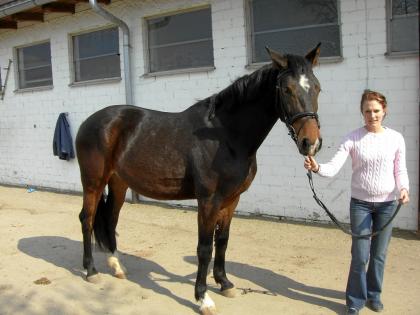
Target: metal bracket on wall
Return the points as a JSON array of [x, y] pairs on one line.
[[3, 87]]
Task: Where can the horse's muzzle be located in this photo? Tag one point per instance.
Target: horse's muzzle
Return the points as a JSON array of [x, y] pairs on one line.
[[306, 147]]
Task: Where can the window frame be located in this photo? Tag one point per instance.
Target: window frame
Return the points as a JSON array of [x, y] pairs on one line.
[[146, 51], [250, 46], [72, 59], [17, 71], [389, 53]]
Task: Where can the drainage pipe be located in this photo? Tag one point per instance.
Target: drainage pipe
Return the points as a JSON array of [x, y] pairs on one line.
[[127, 61], [126, 48]]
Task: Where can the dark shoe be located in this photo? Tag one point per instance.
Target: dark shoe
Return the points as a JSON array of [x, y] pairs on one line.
[[375, 306], [352, 311]]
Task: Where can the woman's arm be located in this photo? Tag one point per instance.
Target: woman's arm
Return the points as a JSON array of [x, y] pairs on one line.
[[332, 167], [400, 171]]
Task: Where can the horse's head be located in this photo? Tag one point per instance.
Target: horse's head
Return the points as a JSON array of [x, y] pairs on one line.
[[297, 91]]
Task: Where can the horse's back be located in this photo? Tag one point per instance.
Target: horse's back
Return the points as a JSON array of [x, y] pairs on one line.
[[148, 149]]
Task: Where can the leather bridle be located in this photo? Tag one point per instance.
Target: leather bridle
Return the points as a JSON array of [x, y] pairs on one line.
[[289, 120]]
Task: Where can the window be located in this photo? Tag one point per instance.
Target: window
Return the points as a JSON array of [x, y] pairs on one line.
[[402, 27], [293, 27], [96, 55], [34, 66], [180, 41]]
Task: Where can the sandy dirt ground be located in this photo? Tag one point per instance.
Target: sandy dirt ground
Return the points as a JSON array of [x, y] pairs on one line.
[[278, 267]]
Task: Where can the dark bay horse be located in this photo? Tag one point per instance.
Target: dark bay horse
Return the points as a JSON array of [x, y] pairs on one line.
[[207, 152]]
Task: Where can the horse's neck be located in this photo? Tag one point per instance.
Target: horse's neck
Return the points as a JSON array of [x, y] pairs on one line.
[[258, 124], [252, 117]]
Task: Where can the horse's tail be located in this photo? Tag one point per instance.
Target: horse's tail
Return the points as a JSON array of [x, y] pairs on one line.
[[102, 229]]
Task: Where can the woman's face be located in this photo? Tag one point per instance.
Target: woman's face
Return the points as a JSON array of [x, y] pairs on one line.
[[373, 114]]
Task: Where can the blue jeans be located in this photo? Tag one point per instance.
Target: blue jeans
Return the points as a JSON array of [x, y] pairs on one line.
[[366, 217]]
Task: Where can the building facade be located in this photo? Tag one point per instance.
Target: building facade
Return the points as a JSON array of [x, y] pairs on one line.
[[167, 54]]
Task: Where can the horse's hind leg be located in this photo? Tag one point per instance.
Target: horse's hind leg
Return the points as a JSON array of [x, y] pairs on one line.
[[221, 242], [91, 200], [116, 196]]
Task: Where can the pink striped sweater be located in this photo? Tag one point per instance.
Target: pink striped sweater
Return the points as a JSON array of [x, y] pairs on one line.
[[378, 163]]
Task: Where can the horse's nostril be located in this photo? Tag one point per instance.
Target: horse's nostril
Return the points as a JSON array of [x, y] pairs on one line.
[[305, 143]]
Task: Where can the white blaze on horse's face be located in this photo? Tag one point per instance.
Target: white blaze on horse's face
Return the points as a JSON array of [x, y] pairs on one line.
[[304, 82]]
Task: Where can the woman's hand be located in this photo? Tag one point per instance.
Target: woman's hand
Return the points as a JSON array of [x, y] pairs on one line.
[[404, 196], [311, 164]]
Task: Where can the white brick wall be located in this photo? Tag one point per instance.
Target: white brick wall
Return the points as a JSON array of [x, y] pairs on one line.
[[27, 120]]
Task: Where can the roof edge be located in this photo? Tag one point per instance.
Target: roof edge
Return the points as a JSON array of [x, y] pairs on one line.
[[18, 6]]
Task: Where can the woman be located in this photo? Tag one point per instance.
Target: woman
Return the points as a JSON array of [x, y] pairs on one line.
[[379, 167]]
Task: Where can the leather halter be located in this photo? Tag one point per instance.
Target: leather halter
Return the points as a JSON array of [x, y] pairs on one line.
[[289, 120]]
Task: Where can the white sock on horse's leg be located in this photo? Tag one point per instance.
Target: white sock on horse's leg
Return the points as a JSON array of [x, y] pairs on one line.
[[207, 306], [116, 266]]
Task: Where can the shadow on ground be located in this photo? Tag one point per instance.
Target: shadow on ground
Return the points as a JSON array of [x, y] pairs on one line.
[[66, 253], [277, 284]]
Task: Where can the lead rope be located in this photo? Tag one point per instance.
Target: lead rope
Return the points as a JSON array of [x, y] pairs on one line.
[[334, 219]]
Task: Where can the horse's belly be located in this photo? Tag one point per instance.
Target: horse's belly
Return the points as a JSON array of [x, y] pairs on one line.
[[163, 189], [162, 183]]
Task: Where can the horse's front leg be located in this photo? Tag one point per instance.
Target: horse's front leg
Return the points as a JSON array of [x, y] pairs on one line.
[[206, 225], [221, 242]]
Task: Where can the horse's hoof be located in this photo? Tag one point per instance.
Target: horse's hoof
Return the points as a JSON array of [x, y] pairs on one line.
[[120, 276], [116, 266], [208, 310], [94, 278], [230, 293], [207, 306]]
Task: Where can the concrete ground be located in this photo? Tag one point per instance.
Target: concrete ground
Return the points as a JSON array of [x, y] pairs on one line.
[[278, 267]]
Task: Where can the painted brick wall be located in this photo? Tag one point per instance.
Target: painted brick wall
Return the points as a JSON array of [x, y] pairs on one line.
[[28, 119]]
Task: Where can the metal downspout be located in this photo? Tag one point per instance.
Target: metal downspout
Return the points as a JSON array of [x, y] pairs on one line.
[[126, 48], [127, 61]]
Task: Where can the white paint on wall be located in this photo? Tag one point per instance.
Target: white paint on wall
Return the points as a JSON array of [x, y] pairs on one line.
[[27, 119]]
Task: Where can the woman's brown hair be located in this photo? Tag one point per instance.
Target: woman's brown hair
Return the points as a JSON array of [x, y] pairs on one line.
[[369, 95]]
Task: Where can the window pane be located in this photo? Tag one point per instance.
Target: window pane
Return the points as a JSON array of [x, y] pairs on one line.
[[98, 43], [38, 77], [294, 27], [404, 7], [403, 27], [405, 34], [274, 14], [180, 27], [98, 68], [96, 55], [37, 73], [38, 55], [181, 56], [34, 66], [180, 41], [298, 42]]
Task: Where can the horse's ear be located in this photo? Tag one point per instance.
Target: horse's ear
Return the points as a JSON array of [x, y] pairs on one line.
[[313, 55], [279, 60]]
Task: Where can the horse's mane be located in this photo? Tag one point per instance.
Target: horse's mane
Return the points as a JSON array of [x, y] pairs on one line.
[[247, 86], [242, 88]]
